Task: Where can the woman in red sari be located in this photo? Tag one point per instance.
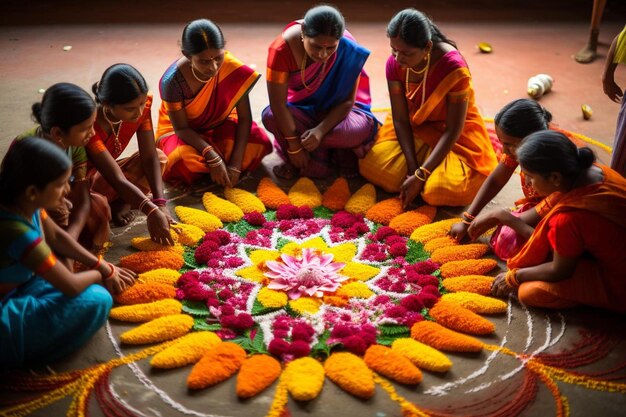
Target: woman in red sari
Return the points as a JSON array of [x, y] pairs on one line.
[[434, 144], [575, 255], [123, 111], [205, 121]]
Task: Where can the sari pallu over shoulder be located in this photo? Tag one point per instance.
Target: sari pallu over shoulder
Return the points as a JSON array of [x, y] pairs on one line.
[[607, 199], [215, 101]]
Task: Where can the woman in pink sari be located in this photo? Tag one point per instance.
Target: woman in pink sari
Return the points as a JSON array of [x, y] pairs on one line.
[[319, 108]]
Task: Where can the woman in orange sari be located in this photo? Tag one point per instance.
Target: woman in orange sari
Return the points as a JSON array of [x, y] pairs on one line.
[[205, 121], [435, 133], [575, 255]]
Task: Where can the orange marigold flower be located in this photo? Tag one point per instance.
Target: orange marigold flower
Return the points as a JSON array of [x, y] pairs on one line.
[[434, 230], [159, 276], [145, 293], [437, 336], [199, 218], [305, 193], [270, 194], [138, 313], [187, 350], [476, 302], [440, 242], [406, 223], [335, 300], [467, 267], [479, 284], [146, 244], [351, 374], [304, 378], [362, 200], [217, 365], [459, 253], [392, 365], [158, 330], [456, 317], [383, 211], [256, 374], [221, 208], [423, 356], [141, 262], [337, 195]]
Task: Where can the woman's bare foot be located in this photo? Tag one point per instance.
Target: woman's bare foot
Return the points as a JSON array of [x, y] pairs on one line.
[[121, 213], [285, 171], [586, 55]]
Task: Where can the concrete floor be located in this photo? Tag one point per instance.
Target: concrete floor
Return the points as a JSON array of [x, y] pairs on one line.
[[539, 37]]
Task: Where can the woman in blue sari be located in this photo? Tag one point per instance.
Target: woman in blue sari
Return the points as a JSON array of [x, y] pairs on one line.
[[319, 97]]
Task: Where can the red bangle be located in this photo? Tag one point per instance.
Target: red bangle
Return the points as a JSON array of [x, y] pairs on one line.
[[111, 273], [98, 262]]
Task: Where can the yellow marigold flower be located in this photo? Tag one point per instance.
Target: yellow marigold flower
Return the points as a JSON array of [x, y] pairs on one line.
[[362, 200], [146, 261], [252, 273], [423, 356], [342, 253], [434, 230], [256, 374], [355, 290], [272, 299], [304, 378], [305, 193], [383, 211], [440, 242], [351, 374], [392, 365], [315, 243], [261, 256], [159, 276], [188, 234], [456, 317], [146, 244], [476, 302], [479, 284], [189, 349], [245, 200], [145, 293], [217, 365], [437, 336], [158, 330], [361, 272], [270, 194], [459, 253], [406, 223], [467, 267], [306, 305], [220, 208], [139, 313], [337, 195], [199, 218]]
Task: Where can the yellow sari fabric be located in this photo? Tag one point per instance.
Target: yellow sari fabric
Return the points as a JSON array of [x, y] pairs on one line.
[[457, 179]]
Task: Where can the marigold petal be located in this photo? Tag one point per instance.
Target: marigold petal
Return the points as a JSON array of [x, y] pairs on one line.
[[434, 230], [304, 378], [256, 374], [459, 253], [306, 305], [199, 218], [159, 276], [217, 365], [188, 234], [189, 349], [272, 299], [361, 272], [468, 267], [355, 290], [270, 194], [392, 365], [145, 293], [261, 256], [252, 273], [158, 330], [362, 200], [145, 312], [476, 303], [305, 193], [437, 336], [423, 356], [406, 223], [342, 253], [456, 317], [245, 200], [479, 284], [337, 195], [440, 242], [383, 211], [351, 374], [147, 261], [221, 208], [146, 244]]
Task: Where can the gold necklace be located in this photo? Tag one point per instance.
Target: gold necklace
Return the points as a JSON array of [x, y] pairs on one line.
[[317, 80], [116, 134], [193, 72], [422, 83]]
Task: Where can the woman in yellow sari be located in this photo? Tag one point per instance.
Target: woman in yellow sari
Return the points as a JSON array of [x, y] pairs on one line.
[[434, 143], [205, 121]]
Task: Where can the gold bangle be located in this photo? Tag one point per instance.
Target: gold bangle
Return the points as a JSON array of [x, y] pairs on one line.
[[207, 149], [291, 137], [468, 216], [238, 171], [465, 221], [425, 171], [511, 278], [423, 179], [155, 208], [290, 152], [213, 160]]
